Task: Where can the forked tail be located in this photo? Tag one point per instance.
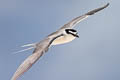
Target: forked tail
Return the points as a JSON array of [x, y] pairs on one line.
[[30, 46]]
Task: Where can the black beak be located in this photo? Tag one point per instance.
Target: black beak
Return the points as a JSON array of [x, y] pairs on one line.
[[76, 35]]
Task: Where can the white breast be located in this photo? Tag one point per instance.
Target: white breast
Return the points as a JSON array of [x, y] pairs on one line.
[[63, 39]]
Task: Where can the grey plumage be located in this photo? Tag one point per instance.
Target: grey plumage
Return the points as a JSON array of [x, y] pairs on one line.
[[78, 19], [42, 46], [39, 50]]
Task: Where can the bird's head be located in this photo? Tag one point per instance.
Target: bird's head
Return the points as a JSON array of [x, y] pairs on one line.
[[72, 32]]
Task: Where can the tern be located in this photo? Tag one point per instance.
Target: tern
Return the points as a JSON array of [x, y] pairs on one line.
[[63, 35]]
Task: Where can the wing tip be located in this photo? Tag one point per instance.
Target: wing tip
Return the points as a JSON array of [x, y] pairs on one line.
[[98, 9]]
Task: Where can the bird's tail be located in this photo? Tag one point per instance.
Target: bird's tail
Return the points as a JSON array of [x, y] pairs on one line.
[[30, 46]]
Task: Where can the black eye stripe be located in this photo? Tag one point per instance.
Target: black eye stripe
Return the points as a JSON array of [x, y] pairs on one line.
[[73, 30], [70, 30]]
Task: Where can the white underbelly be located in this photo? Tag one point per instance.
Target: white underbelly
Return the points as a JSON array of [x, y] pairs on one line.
[[63, 39]]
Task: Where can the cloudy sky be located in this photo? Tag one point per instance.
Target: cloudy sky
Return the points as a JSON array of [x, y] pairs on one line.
[[94, 56]]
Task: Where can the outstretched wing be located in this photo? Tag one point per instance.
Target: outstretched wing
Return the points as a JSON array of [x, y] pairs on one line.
[[78, 19], [41, 48]]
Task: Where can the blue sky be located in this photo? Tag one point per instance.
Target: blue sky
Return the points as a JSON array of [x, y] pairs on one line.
[[94, 56]]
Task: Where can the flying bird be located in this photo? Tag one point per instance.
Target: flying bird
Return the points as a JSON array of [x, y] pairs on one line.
[[63, 35]]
